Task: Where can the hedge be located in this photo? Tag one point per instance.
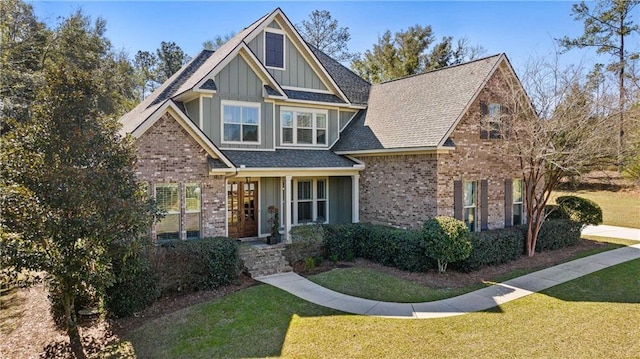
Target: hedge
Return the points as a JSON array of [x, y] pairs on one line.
[[306, 242], [197, 264], [558, 233], [493, 247]]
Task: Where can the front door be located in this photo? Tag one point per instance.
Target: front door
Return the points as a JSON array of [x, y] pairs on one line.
[[242, 209]]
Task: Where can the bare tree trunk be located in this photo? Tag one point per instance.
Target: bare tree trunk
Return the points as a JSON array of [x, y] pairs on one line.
[[72, 328], [621, 98]]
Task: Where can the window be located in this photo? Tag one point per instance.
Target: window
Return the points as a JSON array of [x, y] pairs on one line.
[[274, 49], [309, 201], [168, 201], [303, 127], [470, 194], [192, 211], [495, 120], [491, 123], [241, 122], [518, 199]]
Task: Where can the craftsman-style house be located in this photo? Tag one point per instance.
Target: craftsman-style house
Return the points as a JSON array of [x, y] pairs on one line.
[[268, 120]]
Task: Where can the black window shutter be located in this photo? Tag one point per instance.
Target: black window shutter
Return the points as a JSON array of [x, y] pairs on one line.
[[484, 109], [457, 200], [508, 202], [484, 205]]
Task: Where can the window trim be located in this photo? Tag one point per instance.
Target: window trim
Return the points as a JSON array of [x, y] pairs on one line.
[[474, 206], [314, 200], [284, 48], [199, 211], [178, 212], [240, 104], [314, 129]]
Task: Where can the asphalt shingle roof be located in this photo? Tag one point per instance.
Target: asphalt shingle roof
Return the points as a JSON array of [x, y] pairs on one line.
[[354, 87], [312, 96], [209, 85], [288, 158], [416, 111]]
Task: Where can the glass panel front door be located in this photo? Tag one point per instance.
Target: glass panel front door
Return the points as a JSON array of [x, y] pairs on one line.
[[242, 209]]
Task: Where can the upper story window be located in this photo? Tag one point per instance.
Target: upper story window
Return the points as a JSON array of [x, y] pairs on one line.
[[303, 127], [274, 49], [492, 120], [240, 122]]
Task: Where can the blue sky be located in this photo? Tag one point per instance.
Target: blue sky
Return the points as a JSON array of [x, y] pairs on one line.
[[521, 29]]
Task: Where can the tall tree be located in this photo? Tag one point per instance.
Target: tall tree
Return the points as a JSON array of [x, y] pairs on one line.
[[69, 192], [322, 31], [218, 41], [407, 53], [145, 64], [560, 135], [170, 60], [607, 27], [23, 40]]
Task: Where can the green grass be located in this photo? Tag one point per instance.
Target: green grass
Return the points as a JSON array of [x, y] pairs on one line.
[[371, 284], [375, 285], [618, 208], [594, 316]]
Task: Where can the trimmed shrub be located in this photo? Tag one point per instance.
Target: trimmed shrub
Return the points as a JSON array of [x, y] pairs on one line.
[[306, 241], [198, 264], [135, 286], [493, 247], [558, 233], [553, 211], [581, 210], [410, 252], [344, 240], [446, 240], [379, 245]]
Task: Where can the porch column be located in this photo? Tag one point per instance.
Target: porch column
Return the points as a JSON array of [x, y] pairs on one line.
[[287, 208], [355, 198]]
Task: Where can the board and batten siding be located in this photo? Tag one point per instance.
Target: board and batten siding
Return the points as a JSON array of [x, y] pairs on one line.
[[193, 111], [340, 198], [269, 196], [237, 82], [345, 116], [297, 72]]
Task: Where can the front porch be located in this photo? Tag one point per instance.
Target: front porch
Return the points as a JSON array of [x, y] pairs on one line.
[[301, 198]]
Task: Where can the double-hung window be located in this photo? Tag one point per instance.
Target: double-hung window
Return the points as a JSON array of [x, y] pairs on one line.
[[518, 200], [274, 49], [470, 195], [180, 221], [495, 120], [168, 201], [193, 206], [241, 122], [309, 199], [303, 127]]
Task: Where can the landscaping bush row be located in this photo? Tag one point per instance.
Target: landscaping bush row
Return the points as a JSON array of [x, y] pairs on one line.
[[406, 249], [195, 264], [173, 266]]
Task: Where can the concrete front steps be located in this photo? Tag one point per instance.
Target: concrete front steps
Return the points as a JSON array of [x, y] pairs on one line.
[[262, 259]]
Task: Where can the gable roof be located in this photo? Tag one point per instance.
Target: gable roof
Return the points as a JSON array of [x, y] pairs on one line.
[[419, 111], [354, 87]]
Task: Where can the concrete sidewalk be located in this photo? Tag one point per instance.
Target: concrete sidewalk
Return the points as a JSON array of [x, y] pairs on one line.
[[471, 302], [613, 231]]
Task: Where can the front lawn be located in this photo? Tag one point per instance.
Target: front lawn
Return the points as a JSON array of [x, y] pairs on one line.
[[618, 208], [591, 317]]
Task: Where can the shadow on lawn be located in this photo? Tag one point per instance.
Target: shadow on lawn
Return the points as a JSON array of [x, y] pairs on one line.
[[12, 310]]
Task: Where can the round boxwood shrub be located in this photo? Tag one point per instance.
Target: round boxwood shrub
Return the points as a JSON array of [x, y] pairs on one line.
[[446, 240], [581, 210]]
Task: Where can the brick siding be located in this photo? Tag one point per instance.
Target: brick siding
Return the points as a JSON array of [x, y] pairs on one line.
[[404, 190], [168, 154]]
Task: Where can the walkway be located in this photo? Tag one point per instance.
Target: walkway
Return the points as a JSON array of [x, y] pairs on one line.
[[471, 302]]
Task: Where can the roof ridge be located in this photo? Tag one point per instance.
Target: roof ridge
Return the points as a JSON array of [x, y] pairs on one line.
[[441, 68]]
